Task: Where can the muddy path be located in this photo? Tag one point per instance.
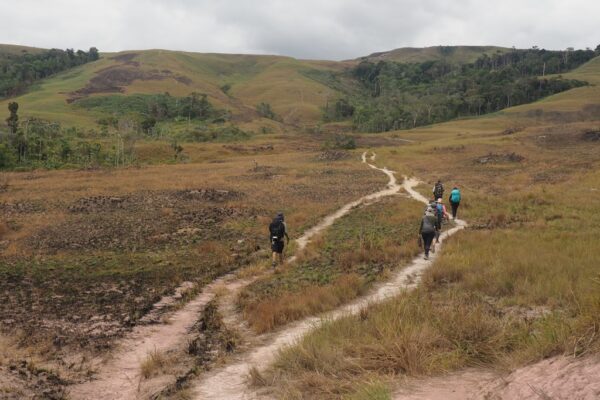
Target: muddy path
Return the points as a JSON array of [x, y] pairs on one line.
[[118, 375], [230, 381]]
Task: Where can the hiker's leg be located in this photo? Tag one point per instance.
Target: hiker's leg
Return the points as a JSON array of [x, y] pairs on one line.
[[427, 239], [454, 209]]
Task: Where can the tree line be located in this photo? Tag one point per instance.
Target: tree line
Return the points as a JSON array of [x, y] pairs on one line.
[[37, 143], [144, 111], [19, 72], [396, 95]]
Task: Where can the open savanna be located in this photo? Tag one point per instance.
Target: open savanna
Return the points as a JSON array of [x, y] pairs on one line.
[[86, 253], [519, 285], [359, 249]]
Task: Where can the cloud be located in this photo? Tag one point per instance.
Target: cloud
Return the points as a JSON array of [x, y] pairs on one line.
[[320, 29]]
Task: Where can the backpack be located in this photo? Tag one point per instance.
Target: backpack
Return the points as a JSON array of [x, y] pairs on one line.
[[439, 190], [455, 196], [428, 224], [440, 210], [277, 230]]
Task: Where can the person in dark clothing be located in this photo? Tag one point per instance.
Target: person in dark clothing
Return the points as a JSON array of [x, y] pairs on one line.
[[277, 231], [438, 190], [454, 201], [428, 230]]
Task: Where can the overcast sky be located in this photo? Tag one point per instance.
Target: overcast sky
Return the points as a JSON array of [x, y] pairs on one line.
[[318, 29]]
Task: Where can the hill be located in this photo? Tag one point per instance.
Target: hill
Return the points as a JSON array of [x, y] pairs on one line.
[[8, 50], [453, 54], [234, 82]]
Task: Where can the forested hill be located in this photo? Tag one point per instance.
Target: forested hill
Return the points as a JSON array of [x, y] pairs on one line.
[[393, 95], [21, 66]]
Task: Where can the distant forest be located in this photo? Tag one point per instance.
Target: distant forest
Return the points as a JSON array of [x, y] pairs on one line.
[[17, 72], [394, 95]]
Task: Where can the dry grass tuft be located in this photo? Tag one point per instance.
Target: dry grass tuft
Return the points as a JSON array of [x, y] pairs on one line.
[[255, 378], [154, 363]]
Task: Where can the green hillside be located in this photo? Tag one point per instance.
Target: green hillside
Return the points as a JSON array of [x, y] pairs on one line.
[[280, 81], [454, 54]]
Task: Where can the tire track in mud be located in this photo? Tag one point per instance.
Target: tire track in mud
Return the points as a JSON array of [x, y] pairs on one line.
[[230, 381], [119, 377]]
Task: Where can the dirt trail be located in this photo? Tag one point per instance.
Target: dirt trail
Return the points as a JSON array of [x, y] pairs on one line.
[[118, 377], [392, 188], [230, 382]]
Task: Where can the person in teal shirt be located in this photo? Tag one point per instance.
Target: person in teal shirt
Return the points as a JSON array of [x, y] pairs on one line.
[[454, 201]]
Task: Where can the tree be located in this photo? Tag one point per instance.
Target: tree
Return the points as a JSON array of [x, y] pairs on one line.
[[93, 54], [264, 110], [13, 119], [6, 156]]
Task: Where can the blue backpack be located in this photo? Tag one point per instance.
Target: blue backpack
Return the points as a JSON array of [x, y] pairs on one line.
[[455, 196], [440, 210]]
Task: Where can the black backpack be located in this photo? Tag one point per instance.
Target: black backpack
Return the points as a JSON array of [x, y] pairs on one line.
[[277, 230], [439, 190]]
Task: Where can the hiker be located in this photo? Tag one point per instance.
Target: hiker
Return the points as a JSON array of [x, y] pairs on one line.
[[432, 203], [277, 231], [438, 190], [454, 200], [441, 212], [428, 230]]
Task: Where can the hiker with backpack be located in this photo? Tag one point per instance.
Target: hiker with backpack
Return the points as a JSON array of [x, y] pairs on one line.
[[428, 230], [438, 190], [277, 231], [454, 200], [441, 212]]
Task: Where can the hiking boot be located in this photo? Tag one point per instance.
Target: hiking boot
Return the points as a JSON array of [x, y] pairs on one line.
[[426, 257], [273, 264]]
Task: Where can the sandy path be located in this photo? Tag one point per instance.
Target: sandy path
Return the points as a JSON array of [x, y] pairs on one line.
[[119, 378], [230, 382], [558, 378]]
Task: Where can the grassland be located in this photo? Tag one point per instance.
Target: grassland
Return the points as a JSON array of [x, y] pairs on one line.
[[518, 286], [356, 251], [85, 254]]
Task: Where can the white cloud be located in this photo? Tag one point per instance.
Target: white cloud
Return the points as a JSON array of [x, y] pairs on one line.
[[329, 29]]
